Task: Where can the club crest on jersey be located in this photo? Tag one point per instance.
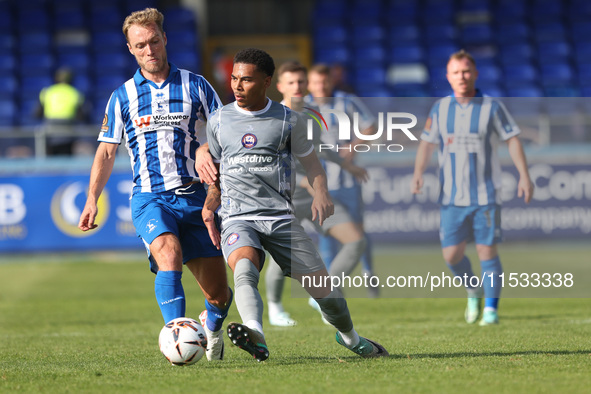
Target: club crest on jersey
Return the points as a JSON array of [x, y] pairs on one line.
[[160, 104], [249, 140], [233, 238]]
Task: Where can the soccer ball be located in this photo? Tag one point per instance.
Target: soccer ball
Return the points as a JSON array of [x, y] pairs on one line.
[[182, 341]]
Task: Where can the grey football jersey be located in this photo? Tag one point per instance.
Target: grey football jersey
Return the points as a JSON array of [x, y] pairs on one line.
[[255, 149]]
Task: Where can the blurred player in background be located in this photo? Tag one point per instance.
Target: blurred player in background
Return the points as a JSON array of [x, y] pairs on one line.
[[253, 139], [467, 127], [291, 83], [343, 186], [160, 112]]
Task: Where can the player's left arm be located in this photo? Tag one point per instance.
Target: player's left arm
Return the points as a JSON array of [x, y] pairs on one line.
[[211, 204], [322, 206], [525, 187]]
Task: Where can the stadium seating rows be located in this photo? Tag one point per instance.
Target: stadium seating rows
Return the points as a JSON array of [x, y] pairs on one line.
[[522, 47], [39, 36]]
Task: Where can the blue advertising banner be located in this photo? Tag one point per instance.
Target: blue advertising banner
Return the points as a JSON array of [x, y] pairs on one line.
[[560, 209], [41, 213]]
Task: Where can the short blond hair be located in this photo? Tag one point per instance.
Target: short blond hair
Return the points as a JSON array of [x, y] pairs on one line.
[[144, 18], [462, 54]]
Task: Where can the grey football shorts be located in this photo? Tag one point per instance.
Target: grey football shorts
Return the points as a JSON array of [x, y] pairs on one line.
[[284, 239]]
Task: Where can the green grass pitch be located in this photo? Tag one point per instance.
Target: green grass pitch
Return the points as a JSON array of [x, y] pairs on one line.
[[84, 324]]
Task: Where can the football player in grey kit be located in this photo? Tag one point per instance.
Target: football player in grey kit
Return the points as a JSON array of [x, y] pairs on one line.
[[253, 140]]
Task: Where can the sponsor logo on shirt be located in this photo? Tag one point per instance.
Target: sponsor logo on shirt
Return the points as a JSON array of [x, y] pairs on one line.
[[250, 159]]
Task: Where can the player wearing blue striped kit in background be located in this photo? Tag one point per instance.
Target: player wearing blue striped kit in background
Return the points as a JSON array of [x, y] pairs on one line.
[[466, 127], [161, 112]]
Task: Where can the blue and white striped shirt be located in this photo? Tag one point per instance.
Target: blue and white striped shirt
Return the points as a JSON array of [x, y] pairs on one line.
[[163, 126], [468, 136]]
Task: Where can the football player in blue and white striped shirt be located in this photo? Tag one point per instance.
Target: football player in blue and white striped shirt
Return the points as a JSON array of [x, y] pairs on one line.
[[466, 128], [161, 112]]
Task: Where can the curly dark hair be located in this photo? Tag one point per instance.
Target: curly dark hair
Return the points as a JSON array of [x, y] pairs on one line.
[[261, 59]]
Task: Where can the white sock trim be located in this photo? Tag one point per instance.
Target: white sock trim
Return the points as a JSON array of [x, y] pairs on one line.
[[350, 338]]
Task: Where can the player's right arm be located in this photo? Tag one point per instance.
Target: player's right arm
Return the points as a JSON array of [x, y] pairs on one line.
[[99, 175], [424, 153]]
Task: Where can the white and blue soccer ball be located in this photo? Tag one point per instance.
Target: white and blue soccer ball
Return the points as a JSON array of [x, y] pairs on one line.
[[182, 341]]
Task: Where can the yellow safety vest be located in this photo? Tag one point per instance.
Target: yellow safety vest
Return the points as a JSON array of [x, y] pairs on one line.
[[60, 101]]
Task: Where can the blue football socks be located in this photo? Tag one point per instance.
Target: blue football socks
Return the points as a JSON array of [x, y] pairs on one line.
[[464, 267], [215, 315], [170, 294], [491, 269]]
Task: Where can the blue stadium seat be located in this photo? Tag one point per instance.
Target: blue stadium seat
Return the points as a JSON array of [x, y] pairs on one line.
[[406, 53], [108, 41], [363, 34], [519, 75], [438, 33], [555, 52], [182, 19], [488, 73], [69, 16], [182, 39], [9, 85], [401, 12], [546, 10], [8, 110], [519, 53], [476, 34], [443, 11], [524, 91], [365, 10], [107, 18], [26, 112], [6, 18], [35, 42], [329, 11], [7, 42], [549, 31], [556, 74], [336, 54], [109, 62], [410, 90], [82, 82], [404, 34], [440, 91], [35, 64], [579, 11], [583, 52], [329, 34], [30, 86], [136, 5], [370, 76], [32, 18], [77, 61], [188, 60], [580, 32], [507, 11], [370, 54], [491, 89], [511, 33], [438, 55], [8, 62], [373, 91]]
